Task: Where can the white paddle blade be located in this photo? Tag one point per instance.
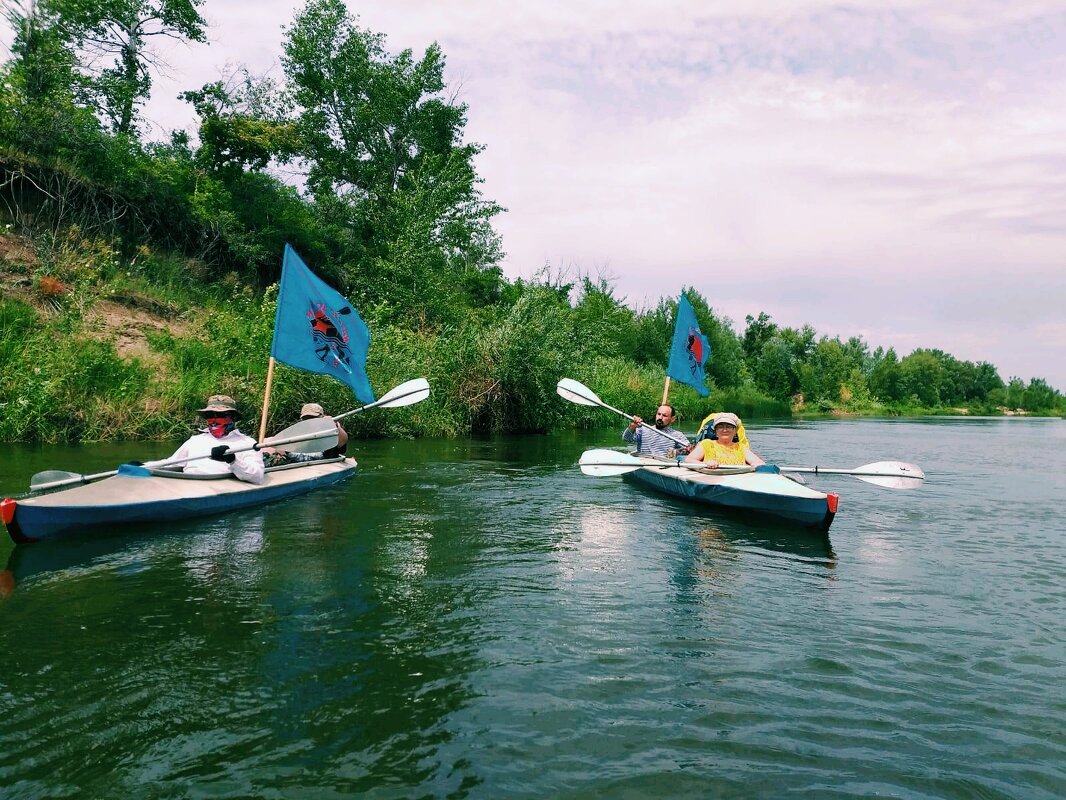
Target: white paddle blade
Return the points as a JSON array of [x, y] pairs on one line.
[[894, 468], [606, 470], [607, 463], [51, 477], [891, 475], [576, 392], [322, 433], [892, 483], [406, 394]]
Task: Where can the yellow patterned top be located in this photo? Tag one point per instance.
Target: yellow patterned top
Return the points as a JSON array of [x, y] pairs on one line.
[[723, 454]]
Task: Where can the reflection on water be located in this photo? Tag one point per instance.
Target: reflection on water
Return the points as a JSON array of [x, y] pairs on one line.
[[74, 555], [598, 544], [478, 619], [218, 555]]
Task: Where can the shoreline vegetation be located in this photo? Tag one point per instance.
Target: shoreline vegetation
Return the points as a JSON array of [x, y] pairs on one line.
[[139, 277], [98, 347]]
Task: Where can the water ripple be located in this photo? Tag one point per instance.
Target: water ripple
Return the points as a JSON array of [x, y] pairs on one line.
[[479, 620]]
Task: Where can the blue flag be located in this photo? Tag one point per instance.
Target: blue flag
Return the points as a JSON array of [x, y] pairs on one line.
[[689, 349], [317, 330]]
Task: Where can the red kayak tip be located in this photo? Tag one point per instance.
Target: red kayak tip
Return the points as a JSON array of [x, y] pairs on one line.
[[7, 510]]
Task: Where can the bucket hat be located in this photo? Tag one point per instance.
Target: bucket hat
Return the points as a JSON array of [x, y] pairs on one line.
[[311, 410], [726, 417], [219, 404]]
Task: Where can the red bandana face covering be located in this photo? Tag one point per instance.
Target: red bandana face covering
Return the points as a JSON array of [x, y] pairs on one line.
[[220, 426]]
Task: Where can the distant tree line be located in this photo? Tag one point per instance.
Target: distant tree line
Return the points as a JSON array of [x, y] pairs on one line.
[[357, 157]]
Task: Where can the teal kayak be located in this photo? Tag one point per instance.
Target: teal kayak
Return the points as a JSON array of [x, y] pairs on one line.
[[140, 495], [766, 494]]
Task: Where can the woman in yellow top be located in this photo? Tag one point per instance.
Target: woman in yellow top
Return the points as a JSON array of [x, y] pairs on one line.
[[725, 448]]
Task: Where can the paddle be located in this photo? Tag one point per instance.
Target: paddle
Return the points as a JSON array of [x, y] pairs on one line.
[[889, 474], [324, 430], [406, 394], [579, 393], [300, 445], [605, 463]]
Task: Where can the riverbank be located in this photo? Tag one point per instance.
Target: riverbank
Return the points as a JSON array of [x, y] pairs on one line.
[[102, 343], [95, 346]]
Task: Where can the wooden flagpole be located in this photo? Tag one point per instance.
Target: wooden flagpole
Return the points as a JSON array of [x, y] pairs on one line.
[[666, 386], [266, 400]]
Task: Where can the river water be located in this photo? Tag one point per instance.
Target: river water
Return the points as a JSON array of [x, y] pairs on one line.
[[477, 619]]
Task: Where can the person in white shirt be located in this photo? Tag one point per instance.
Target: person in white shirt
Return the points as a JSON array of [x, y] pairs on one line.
[[212, 447]]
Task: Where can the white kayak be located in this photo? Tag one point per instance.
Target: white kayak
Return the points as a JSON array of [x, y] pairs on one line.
[[143, 495]]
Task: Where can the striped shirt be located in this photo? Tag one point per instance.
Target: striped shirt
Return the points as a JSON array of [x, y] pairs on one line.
[[654, 443]]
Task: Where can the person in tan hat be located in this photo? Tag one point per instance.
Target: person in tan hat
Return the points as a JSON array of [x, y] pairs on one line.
[[212, 447], [310, 411], [724, 447], [314, 411]]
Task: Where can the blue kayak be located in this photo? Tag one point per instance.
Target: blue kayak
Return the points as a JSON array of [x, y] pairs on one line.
[[139, 495], [765, 494]]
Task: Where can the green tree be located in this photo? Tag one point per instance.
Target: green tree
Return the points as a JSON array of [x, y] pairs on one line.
[[1039, 396], [115, 39], [603, 323], [38, 113], [242, 125], [42, 65], [986, 379], [833, 373], [777, 364], [921, 377], [652, 330], [387, 162], [757, 332], [1015, 393], [886, 378]]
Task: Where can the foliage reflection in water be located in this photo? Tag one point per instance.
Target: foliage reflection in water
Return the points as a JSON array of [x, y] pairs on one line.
[[476, 618]]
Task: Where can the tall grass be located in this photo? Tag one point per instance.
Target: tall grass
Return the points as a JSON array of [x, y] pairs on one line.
[[47, 374], [495, 371]]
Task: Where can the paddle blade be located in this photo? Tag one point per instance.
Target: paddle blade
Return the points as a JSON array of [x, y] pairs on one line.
[[576, 392], [406, 394], [321, 433], [891, 474], [51, 477], [607, 463]]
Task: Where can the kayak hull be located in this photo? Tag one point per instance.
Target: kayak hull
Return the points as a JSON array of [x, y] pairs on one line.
[[161, 496], [767, 495]]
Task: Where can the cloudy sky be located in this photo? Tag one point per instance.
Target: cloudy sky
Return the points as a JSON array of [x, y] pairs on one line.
[[895, 170]]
